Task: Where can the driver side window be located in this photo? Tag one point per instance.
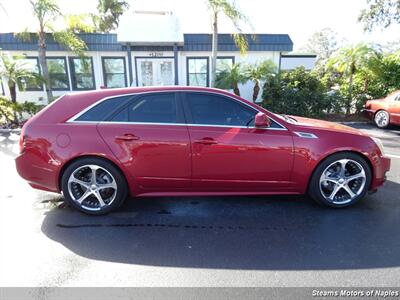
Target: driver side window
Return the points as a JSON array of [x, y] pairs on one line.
[[209, 109]]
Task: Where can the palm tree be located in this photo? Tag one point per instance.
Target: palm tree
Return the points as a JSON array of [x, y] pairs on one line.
[[259, 72], [229, 9], [15, 71], [47, 14], [348, 61], [230, 78], [108, 14]]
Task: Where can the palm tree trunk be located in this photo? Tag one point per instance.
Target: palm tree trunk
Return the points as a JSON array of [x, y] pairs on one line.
[[236, 89], [13, 91], [13, 94], [366, 85], [43, 64], [214, 49], [256, 90], [350, 94]]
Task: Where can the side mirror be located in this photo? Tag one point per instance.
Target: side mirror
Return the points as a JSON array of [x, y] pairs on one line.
[[262, 120]]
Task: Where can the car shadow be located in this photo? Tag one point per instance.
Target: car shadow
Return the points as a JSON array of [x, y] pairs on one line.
[[247, 233]]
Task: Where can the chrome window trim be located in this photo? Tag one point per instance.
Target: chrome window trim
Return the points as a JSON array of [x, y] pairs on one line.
[[73, 119]]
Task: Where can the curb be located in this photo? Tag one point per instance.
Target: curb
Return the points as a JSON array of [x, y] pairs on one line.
[[355, 123]]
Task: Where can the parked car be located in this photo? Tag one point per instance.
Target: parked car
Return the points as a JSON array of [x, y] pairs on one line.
[[100, 147], [384, 111]]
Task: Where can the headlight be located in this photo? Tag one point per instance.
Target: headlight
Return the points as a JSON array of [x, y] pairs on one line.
[[378, 142]]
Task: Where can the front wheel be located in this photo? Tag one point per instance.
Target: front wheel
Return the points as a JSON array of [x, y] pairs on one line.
[[382, 119], [340, 180], [94, 186]]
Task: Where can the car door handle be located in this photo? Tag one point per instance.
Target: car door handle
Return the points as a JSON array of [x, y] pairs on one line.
[[127, 137], [206, 141]]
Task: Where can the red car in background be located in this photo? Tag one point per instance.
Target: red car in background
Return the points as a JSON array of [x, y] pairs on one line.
[[100, 147], [384, 111]]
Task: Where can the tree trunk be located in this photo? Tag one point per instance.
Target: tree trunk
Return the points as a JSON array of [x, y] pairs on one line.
[[13, 94], [43, 64], [236, 89], [350, 94], [13, 91], [366, 85], [256, 91], [214, 49]]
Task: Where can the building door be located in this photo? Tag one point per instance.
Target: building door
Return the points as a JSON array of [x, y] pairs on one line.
[[155, 71]]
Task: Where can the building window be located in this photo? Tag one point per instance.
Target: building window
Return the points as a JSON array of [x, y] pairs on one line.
[[32, 84], [58, 73], [197, 71], [114, 72], [224, 63], [82, 73]]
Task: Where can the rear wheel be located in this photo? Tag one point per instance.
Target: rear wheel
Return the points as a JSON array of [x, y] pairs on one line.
[[94, 186], [382, 119], [340, 180]]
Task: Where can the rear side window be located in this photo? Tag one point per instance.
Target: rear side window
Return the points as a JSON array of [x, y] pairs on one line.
[[102, 110], [152, 108]]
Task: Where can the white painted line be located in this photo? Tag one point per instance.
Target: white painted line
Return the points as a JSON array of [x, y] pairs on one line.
[[393, 155]]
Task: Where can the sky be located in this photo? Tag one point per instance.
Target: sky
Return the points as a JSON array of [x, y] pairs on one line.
[[299, 19]]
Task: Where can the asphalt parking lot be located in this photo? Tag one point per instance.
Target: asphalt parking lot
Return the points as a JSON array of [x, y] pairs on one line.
[[199, 241]]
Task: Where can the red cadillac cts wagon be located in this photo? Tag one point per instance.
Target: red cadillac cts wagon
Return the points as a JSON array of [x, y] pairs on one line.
[[100, 147]]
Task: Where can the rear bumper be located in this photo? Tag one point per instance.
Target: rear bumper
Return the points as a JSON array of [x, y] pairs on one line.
[[39, 175]]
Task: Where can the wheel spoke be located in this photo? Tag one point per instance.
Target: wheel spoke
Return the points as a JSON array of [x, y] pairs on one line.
[[84, 196], [80, 182], [334, 192], [111, 185], [343, 163], [325, 178], [349, 191], [356, 176], [99, 198], [93, 178]]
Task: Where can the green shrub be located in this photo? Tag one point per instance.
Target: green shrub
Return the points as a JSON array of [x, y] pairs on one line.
[[12, 113], [297, 92]]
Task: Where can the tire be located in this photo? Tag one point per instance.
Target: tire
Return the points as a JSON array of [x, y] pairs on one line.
[[328, 177], [382, 119], [82, 191]]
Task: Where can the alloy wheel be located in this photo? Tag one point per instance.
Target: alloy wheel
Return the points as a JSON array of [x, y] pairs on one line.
[[92, 187], [342, 181], [382, 119]]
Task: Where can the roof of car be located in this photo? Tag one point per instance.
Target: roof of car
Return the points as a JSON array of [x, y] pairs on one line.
[[132, 90], [72, 103]]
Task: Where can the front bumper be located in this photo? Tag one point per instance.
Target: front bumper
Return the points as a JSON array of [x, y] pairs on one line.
[[382, 166], [368, 113]]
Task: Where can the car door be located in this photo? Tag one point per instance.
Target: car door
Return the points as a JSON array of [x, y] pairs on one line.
[[229, 153], [149, 137]]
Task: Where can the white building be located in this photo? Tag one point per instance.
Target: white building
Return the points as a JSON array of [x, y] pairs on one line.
[[161, 55]]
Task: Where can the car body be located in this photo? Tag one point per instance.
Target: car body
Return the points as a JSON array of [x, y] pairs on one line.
[[180, 141], [384, 111]]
